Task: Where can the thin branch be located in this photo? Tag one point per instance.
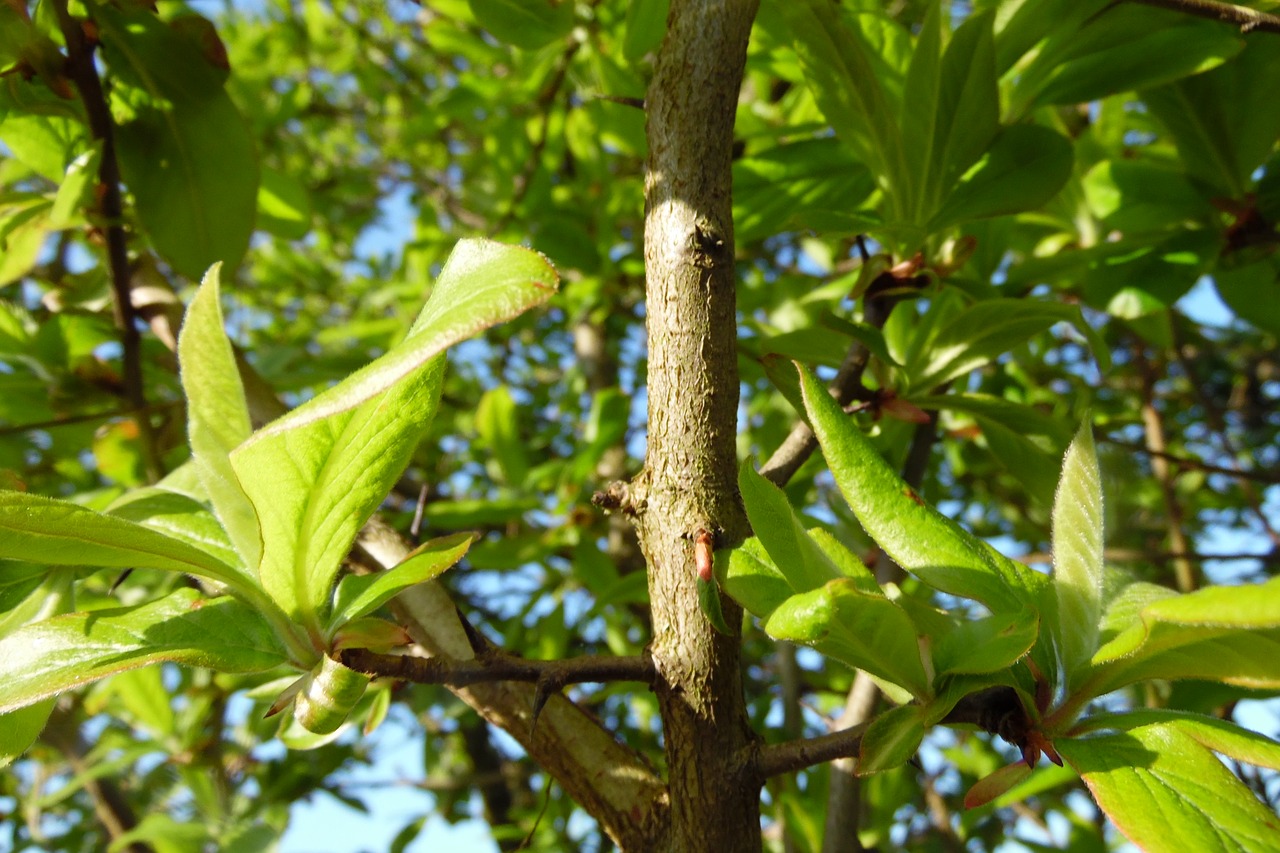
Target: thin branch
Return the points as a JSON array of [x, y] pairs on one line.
[[84, 74], [1137, 555], [90, 417], [1153, 426], [1186, 462], [794, 755], [1245, 18], [498, 666]]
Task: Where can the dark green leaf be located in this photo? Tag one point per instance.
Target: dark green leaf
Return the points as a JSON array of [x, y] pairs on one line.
[[1025, 166], [527, 24]]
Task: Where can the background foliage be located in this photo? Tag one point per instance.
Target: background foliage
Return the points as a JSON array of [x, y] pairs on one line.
[[1094, 191]]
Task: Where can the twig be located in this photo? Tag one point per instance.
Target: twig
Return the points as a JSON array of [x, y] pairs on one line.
[[1247, 19], [1153, 425], [499, 666], [796, 755], [53, 423], [109, 805], [885, 291], [84, 75], [1259, 476], [1135, 555]]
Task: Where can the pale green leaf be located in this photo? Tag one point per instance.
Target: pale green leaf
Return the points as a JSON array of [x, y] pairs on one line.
[[45, 658], [865, 631], [217, 414], [916, 536], [1077, 552], [315, 475], [62, 533], [1166, 792], [359, 595]]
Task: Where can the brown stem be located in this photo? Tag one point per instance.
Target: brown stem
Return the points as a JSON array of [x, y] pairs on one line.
[[109, 805], [796, 755], [1187, 463], [1242, 16], [690, 476], [84, 74], [500, 666], [1153, 425]]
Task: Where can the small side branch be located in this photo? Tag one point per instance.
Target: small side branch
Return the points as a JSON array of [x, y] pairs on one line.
[[796, 755], [84, 74], [1245, 18], [549, 674]]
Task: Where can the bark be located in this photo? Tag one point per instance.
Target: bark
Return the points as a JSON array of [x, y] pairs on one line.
[[690, 477]]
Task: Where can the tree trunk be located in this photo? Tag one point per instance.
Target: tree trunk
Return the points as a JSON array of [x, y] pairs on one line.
[[690, 477]]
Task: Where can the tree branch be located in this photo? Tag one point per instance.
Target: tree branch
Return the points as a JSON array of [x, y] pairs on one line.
[[794, 755], [500, 666], [1242, 16], [84, 74], [1258, 476]]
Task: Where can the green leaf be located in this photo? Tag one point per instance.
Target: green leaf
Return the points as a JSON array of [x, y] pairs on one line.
[[20, 728], [863, 630], [812, 183], [709, 604], [646, 24], [1212, 733], [178, 517], [1077, 552], [66, 534], [891, 740], [986, 330], [790, 547], [316, 475], [43, 659], [359, 595], [217, 414], [1126, 47], [1134, 197], [498, 425], [968, 111], [752, 579], [284, 207], [1222, 633], [1025, 167], [328, 695], [986, 645], [1223, 121], [842, 76], [996, 784], [527, 24], [1167, 792], [1249, 291], [188, 158], [916, 536]]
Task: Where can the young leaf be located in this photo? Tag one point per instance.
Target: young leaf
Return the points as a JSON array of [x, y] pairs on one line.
[[865, 631], [891, 740], [1165, 791], [359, 595], [45, 658], [1077, 552], [789, 545], [217, 414], [179, 517], [497, 422], [1222, 633], [62, 533], [986, 645], [315, 475], [916, 536], [1210, 732], [997, 783]]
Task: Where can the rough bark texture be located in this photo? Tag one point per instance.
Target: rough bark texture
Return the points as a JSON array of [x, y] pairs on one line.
[[689, 481]]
